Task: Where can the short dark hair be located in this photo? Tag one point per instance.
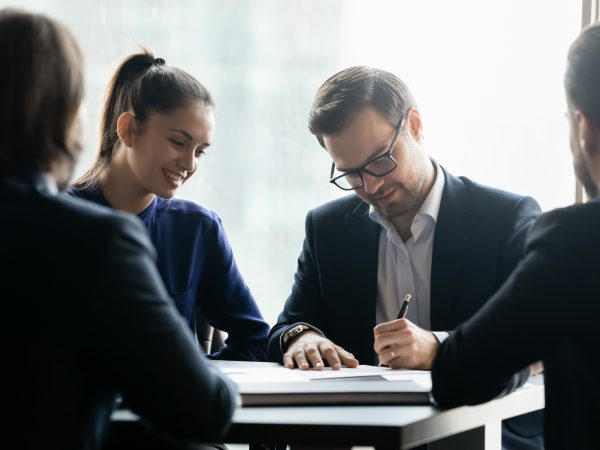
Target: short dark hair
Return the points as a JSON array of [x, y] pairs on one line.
[[346, 92], [41, 88], [582, 78], [141, 84]]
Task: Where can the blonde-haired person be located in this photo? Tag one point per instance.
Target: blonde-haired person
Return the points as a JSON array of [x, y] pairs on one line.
[[76, 335], [157, 122]]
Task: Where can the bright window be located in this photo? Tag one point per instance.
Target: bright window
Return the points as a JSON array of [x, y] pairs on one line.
[[486, 75]]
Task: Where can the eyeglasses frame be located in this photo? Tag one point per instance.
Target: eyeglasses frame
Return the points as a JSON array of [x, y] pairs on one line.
[[362, 169]]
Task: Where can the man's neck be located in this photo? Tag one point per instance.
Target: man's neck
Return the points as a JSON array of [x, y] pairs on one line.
[[403, 225], [404, 222]]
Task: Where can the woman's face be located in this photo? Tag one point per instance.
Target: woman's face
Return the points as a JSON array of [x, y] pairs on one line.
[[166, 149]]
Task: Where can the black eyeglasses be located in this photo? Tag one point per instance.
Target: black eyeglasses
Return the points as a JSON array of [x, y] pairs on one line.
[[378, 166]]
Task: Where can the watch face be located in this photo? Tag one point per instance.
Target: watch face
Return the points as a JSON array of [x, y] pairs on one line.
[[294, 332]]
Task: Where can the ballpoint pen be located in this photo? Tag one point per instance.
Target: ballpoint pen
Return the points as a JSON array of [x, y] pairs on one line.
[[404, 307], [401, 314]]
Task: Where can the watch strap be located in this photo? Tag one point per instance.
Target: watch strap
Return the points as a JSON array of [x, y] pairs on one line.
[[308, 327]]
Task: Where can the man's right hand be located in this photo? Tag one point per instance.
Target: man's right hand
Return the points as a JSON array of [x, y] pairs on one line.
[[310, 349]]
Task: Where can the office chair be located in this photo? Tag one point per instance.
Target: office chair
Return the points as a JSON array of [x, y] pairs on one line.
[[209, 338]]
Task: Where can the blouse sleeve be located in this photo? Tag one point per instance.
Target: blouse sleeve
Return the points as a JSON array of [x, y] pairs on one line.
[[227, 303]]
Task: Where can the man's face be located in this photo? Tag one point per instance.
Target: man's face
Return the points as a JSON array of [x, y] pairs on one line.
[[368, 135], [580, 160]]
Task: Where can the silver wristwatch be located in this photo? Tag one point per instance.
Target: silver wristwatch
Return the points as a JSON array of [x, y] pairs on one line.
[[294, 331]]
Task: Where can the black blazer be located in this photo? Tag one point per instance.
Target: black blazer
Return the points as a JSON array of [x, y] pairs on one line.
[[85, 318], [479, 238], [547, 310]]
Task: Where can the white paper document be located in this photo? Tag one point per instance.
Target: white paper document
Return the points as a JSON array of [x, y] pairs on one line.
[[280, 374], [274, 384]]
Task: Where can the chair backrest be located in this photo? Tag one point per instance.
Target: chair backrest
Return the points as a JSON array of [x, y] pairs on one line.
[[209, 338]]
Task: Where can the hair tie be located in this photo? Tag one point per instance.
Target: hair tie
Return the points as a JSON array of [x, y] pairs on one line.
[[158, 61]]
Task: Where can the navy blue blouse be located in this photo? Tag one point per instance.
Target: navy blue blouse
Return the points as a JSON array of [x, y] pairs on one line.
[[197, 266]]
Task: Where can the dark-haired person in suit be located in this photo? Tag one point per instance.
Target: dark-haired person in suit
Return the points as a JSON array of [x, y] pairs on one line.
[[408, 227], [77, 332], [548, 308]]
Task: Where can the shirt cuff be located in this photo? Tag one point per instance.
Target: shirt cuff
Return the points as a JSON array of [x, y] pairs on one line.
[[441, 336]]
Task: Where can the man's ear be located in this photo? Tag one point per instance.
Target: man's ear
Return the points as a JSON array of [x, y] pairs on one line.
[[587, 134], [413, 119], [126, 128]]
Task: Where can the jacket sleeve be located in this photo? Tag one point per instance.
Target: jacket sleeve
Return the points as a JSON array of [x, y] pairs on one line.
[[522, 217], [145, 349], [228, 304], [524, 214], [304, 303], [523, 322]]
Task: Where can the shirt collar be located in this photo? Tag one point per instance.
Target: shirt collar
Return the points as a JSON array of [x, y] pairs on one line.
[[428, 212], [431, 205], [147, 214], [49, 183], [40, 181]]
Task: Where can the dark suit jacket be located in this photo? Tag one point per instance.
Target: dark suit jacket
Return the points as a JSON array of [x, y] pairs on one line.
[[85, 317], [547, 310], [479, 239]]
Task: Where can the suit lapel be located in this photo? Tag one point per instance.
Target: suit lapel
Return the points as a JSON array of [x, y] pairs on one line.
[[456, 219], [362, 240]]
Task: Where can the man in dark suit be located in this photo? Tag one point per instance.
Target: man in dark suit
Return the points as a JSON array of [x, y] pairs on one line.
[[548, 308], [411, 228], [85, 316]]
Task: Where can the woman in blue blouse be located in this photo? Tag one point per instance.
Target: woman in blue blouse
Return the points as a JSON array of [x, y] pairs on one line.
[[157, 122]]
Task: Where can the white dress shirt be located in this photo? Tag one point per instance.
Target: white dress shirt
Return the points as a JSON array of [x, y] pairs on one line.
[[405, 267]]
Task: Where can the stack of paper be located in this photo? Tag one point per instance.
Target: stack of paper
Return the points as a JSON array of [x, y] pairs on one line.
[[276, 385]]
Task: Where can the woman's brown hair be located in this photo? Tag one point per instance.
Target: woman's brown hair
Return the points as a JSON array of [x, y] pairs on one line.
[[141, 84]]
